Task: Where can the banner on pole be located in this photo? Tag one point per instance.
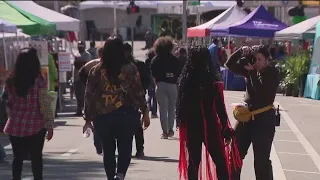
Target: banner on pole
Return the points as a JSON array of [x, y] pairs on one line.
[[65, 64]]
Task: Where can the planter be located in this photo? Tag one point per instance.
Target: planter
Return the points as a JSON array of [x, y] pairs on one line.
[[303, 79], [288, 89], [295, 92]]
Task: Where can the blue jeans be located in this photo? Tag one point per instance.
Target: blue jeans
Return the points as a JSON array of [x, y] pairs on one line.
[[3, 154], [117, 129], [152, 101]]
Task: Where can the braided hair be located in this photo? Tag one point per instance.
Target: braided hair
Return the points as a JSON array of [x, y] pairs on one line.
[[196, 79]]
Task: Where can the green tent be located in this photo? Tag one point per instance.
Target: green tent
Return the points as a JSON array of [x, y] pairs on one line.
[[30, 24]]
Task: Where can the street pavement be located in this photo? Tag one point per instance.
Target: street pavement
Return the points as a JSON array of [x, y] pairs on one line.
[[295, 153]]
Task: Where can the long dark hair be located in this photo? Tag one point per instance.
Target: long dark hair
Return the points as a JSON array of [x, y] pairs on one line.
[[113, 58], [25, 72], [196, 79]]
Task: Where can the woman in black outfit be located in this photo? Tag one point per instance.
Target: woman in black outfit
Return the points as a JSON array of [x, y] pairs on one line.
[[165, 69], [203, 118]]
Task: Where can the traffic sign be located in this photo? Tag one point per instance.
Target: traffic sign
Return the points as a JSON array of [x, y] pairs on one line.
[[194, 2]]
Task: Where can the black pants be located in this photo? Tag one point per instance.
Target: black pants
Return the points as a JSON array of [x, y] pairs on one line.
[[97, 142], [260, 133], [117, 129], [32, 145], [139, 139], [79, 89], [195, 133]]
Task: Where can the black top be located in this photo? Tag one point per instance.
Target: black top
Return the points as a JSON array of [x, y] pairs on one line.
[[144, 72], [261, 86], [166, 68]]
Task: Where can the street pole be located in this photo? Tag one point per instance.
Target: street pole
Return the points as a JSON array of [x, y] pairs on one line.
[[184, 21], [115, 19], [132, 38], [56, 6]]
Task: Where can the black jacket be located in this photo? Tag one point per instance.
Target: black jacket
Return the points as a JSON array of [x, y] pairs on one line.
[[144, 73]]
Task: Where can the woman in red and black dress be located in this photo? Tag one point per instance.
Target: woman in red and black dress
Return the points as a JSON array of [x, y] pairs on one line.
[[202, 117]]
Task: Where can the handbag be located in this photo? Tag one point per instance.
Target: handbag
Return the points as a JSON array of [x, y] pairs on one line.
[[242, 113]]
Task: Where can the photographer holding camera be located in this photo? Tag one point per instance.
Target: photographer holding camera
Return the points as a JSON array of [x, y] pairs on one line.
[[258, 125]]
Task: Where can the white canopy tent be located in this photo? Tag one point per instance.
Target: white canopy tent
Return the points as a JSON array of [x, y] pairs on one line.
[[304, 29], [161, 6], [229, 16], [19, 35], [63, 22], [7, 27]]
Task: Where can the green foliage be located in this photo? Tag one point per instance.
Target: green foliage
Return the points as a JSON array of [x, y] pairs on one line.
[[295, 67]]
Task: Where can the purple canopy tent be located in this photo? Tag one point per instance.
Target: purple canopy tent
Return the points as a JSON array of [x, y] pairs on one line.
[[259, 23]]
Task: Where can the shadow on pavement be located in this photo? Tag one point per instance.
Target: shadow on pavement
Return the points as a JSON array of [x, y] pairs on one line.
[[158, 159], [64, 123], [62, 169]]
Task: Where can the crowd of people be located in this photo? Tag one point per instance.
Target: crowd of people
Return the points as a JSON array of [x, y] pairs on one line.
[[111, 86]]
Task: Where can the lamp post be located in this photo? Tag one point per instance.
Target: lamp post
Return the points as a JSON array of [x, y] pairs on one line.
[[184, 21], [115, 32]]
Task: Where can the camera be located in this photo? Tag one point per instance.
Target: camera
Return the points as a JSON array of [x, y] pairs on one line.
[[249, 59]]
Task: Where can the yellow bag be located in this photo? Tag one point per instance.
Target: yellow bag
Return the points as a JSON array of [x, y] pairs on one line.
[[242, 113]]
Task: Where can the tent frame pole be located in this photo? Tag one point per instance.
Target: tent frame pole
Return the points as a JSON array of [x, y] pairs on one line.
[[5, 52], [227, 70]]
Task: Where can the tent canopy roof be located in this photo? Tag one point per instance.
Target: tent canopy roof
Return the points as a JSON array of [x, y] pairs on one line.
[[259, 23], [7, 27], [299, 31], [63, 22], [229, 16], [204, 6], [29, 23], [18, 34]]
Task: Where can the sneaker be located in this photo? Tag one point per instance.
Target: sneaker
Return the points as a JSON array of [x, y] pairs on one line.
[[153, 116], [139, 154], [164, 136], [119, 177], [171, 133]]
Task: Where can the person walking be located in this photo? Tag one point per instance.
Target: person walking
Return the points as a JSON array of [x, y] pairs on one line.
[[113, 96], [182, 56], [202, 118], [83, 74], [165, 69], [145, 78], [93, 50], [27, 127], [152, 100], [262, 84], [80, 60]]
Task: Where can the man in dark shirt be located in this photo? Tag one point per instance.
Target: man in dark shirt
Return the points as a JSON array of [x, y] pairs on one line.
[[152, 100], [262, 83], [182, 57], [145, 82]]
